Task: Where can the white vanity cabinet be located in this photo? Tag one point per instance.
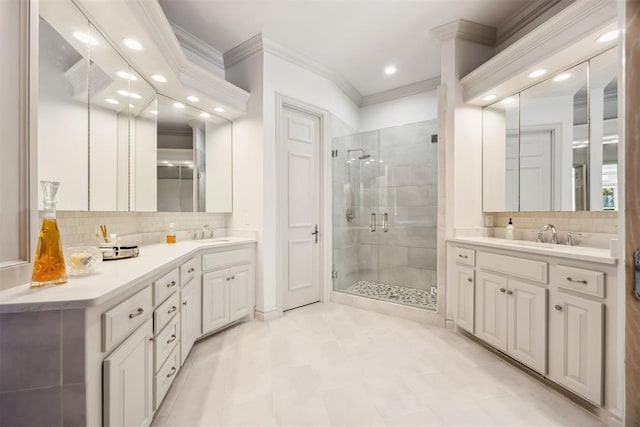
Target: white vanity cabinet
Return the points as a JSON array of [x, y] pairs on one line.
[[552, 314], [228, 285]]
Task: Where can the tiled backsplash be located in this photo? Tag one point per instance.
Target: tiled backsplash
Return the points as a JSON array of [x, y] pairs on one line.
[[591, 222], [78, 228]]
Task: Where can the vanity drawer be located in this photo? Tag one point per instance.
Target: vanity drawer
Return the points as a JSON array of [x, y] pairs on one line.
[[188, 271], [465, 256], [122, 319], [512, 266], [579, 280], [164, 378], [166, 341], [165, 286], [219, 260], [165, 312]]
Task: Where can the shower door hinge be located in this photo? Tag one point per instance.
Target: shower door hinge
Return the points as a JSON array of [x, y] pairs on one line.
[[334, 275], [334, 153]]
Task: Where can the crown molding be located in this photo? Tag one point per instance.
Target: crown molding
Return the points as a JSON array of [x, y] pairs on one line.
[[199, 51], [569, 26], [262, 43], [526, 18], [401, 92], [466, 30]]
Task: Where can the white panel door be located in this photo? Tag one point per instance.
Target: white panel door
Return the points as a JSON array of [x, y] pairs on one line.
[[215, 300], [576, 344], [240, 292], [536, 181], [466, 298], [128, 380], [527, 324], [300, 179], [491, 309]]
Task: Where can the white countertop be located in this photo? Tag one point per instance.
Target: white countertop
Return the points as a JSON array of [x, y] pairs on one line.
[[579, 253], [110, 279]]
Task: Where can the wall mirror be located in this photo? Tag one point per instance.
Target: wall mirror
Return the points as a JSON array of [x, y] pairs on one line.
[[63, 99], [193, 159], [553, 147]]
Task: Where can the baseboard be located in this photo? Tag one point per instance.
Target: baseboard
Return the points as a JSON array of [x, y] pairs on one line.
[[272, 313], [390, 308]]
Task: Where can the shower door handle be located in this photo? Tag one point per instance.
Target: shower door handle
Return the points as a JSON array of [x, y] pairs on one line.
[[385, 222], [372, 222]]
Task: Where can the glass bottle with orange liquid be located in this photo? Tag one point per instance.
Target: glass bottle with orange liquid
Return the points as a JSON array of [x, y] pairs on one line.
[[48, 266]]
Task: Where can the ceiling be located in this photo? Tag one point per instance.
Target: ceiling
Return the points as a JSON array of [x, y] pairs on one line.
[[355, 38]]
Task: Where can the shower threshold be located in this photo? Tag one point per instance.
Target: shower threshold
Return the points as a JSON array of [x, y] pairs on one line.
[[399, 294]]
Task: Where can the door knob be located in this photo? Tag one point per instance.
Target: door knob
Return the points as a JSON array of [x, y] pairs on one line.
[[469, 279], [316, 233]]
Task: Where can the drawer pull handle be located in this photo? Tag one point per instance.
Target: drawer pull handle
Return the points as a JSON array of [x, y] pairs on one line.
[[509, 292], [184, 303], [583, 282], [171, 284], [191, 270], [558, 307], [469, 279], [137, 313], [172, 309], [173, 372], [463, 256], [172, 339], [503, 290]]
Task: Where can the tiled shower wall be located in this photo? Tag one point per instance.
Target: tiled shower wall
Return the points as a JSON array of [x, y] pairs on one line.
[[403, 185], [141, 228]]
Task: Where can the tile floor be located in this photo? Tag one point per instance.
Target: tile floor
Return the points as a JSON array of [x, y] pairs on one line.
[[334, 365], [409, 296]]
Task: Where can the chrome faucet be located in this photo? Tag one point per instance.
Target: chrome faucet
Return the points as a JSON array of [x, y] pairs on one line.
[[554, 233], [209, 229]]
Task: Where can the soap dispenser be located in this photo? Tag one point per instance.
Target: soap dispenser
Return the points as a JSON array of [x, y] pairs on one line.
[[511, 230]]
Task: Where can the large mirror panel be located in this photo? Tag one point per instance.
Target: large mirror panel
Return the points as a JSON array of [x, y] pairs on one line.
[[552, 114], [193, 159], [500, 152], [603, 111], [63, 96]]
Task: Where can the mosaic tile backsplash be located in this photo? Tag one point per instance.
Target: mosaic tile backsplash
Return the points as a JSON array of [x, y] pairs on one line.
[[140, 228]]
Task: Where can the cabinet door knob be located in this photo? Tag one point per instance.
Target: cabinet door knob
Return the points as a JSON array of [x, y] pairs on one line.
[[558, 307], [228, 278], [469, 279], [171, 284], [509, 292], [233, 277], [137, 313], [503, 290], [184, 303]]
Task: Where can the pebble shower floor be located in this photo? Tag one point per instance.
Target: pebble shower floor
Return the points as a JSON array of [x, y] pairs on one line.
[[416, 297]]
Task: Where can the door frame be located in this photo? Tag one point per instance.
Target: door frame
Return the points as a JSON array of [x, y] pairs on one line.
[[326, 223]]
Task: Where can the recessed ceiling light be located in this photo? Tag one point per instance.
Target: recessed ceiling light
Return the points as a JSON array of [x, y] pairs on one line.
[[159, 78], [205, 115], [85, 38], [112, 101], [538, 73], [390, 69], [169, 164], [135, 95], [380, 161], [178, 105], [219, 110], [192, 98], [608, 37], [123, 92], [508, 100], [562, 77], [132, 44], [154, 112], [125, 75], [132, 106], [490, 97]]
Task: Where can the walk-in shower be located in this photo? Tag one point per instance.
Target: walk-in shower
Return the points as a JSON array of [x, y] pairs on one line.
[[385, 214]]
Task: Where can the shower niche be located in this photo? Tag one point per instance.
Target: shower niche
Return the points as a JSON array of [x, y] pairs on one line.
[[385, 214]]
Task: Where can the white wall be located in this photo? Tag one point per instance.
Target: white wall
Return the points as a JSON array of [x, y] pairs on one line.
[[219, 162], [410, 109]]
